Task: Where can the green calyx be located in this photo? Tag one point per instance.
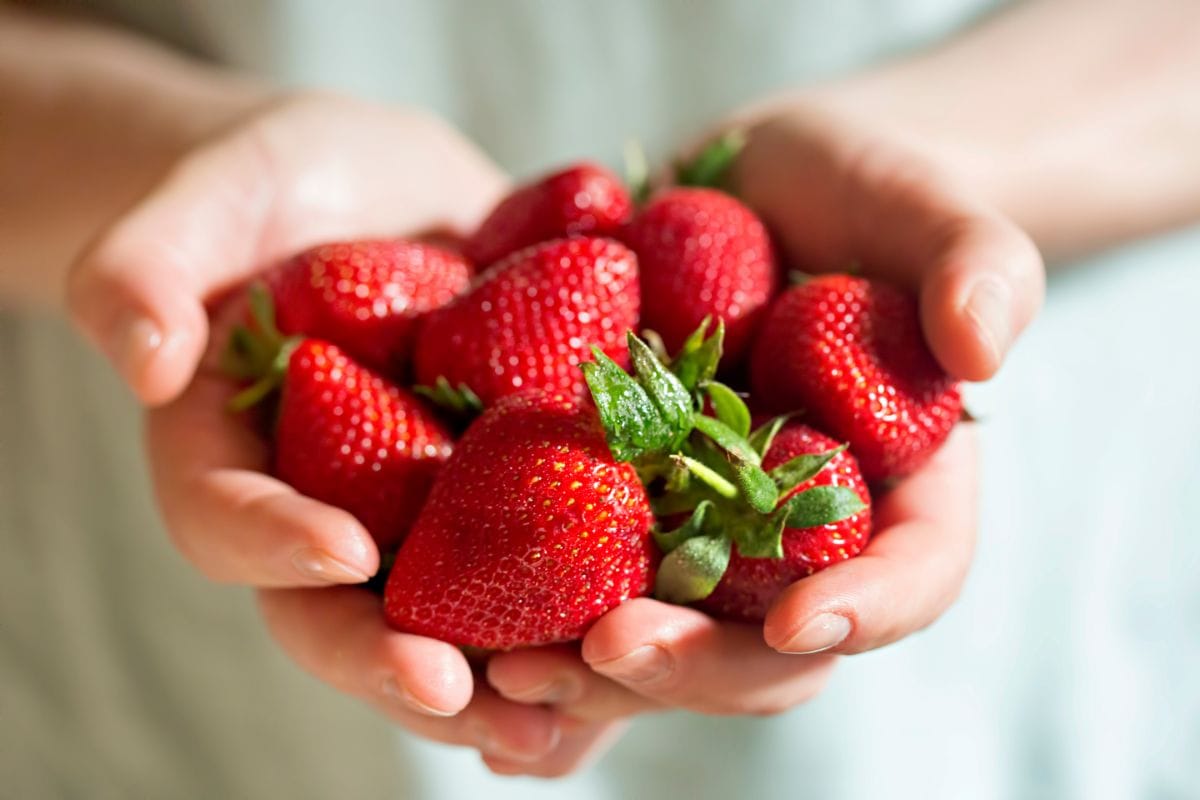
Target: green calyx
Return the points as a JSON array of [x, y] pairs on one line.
[[690, 439], [711, 166], [259, 353], [458, 400], [637, 171]]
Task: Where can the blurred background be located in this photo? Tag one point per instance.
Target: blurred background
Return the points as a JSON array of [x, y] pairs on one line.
[[1070, 667]]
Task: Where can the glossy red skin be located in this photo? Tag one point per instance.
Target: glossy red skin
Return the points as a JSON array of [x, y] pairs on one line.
[[532, 319], [850, 352], [367, 296], [531, 533], [584, 198], [348, 437], [750, 585], [702, 253]]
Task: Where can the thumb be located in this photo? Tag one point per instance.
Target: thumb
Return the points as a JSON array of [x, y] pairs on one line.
[[985, 284], [138, 291]]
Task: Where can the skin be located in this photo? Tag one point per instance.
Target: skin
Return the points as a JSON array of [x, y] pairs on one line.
[[205, 178]]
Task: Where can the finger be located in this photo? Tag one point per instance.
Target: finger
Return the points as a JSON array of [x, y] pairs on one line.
[[984, 286], [339, 635], [911, 571], [138, 292], [557, 676], [509, 732], [836, 197], [681, 657], [232, 521], [580, 746], [312, 169]]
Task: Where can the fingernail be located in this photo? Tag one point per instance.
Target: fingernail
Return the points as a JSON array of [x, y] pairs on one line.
[[989, 307], [487, 742], [393, 689], [132, 344], [643, 665], [552, 691], [821, 633], [319, 565]]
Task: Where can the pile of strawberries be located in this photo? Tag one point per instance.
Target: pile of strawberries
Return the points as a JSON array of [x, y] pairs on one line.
[[526, 462]]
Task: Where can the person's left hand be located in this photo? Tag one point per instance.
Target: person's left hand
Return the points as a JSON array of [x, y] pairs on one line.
[[836, 190]]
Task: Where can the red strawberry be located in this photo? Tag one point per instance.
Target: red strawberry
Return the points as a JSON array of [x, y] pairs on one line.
[[343, 434], [350, 438], [750, 585], [366, 296], [532, 318], [702, 253], [581, 199], [530, 533], [850, 352]]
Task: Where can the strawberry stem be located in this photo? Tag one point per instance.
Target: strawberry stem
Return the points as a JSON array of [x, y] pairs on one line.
[[637, 171]]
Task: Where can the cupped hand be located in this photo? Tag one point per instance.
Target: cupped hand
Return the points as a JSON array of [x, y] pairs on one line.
[[839, 192], [299, 171]]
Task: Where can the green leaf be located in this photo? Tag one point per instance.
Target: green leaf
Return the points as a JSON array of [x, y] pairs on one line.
[[656, 345], [729, 408], [711, 166], [677, 502], [633, 424], [697, 360], [725, 437], [242, 358], [669, 396], [764, 539], [710, 477], [272, 378], [262, 311], [790, 474], [696, 337], [764, 436], [822, 505], [460, 400], [691, 571], [669, 540], [756, 486]]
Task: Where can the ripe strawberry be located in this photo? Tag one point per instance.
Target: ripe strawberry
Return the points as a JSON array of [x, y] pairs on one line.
[[530, 533], [850, 352], [702, 253], [366, 296], [750, 585], [530, 320], [343, 434], [582, 199]]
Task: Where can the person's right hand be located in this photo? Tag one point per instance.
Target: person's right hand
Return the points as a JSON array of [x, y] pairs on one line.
[[296, 172]]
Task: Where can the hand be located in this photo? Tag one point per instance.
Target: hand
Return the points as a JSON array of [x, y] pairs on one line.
[[837, 191], [294, 173]]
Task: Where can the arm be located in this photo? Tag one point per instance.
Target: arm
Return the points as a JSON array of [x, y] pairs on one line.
[[1078, 120], [91, 119]]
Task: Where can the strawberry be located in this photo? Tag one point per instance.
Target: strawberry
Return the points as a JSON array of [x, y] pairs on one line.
[[582, 199], [850, 352], [366, 296], [702, 253], [529, 320], [766, 507], [343, 434], [530, 533], [750, 585]]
